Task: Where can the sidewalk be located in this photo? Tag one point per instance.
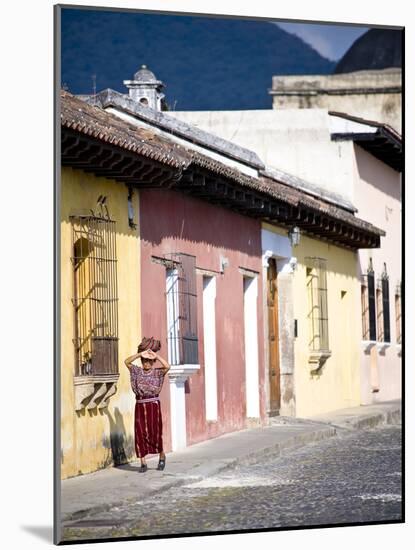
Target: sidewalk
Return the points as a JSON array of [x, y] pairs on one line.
[[106, 488]]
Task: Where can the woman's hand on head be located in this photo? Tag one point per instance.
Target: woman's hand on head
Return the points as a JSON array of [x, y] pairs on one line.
[[149, 354]]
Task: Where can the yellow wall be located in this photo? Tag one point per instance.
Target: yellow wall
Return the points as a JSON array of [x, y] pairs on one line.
[[89, 438], [338, 384]]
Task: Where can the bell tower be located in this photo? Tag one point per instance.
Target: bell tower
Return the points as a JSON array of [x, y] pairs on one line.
[[145, 88]]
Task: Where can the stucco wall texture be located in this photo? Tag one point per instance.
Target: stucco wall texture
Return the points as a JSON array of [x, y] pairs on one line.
[[337, 385], [378, 198], [291, 139], [91, 438], [173, 222], [288, 139], [374, 95]]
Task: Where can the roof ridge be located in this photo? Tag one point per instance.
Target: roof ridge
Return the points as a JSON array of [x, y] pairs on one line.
[[109, 97]]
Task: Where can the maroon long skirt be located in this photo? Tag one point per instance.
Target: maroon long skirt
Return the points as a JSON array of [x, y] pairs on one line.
[[148, 428]]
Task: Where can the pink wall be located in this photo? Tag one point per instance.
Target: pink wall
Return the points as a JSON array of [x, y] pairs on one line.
[[377, 195], [173, 222]]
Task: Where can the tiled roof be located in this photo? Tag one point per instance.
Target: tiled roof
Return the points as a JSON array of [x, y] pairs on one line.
[[111, 98], [278, 189], [308, 188], [95, 122]]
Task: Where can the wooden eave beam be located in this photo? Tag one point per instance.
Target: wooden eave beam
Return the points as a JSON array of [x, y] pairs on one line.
[[106, 161]]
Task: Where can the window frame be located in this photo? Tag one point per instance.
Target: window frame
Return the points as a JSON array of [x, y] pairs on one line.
[[386, 309], [316, 282], [379, 313], [368, 304], [398, 314], [181, 308], [94, 295]]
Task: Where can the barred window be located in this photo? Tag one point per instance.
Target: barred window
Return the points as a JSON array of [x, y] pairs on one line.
[[398, 314], [172, 300], [386, 309], [382, 305], [181, 300], [365, 311], [317, 300], [372, 304], [368, 298], [95, 297]]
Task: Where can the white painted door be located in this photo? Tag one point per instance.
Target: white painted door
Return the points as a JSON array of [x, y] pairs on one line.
[[251, 346], [209, 345]]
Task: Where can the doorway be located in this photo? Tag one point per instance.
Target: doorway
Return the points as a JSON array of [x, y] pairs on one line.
[[273, 339], [250, 288]]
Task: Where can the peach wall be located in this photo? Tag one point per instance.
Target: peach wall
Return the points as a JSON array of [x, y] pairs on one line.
[[377, 195]]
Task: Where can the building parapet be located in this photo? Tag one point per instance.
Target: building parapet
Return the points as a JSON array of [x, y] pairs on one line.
[[358, 82]]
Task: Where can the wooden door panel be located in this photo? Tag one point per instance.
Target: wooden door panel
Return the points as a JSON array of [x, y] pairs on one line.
[[273, 336]]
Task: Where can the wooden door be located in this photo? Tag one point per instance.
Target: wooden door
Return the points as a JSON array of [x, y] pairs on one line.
[[273, 338]]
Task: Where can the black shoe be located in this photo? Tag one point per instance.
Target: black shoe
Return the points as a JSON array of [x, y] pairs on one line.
[[143, 468], [161, 464]]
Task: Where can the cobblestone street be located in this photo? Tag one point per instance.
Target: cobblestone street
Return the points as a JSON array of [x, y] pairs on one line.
[[346, 479]]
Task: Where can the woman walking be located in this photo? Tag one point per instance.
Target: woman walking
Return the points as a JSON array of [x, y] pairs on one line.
[[146, 383]]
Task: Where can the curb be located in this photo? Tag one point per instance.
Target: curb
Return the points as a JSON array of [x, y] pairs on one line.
[[394, 417], [324, 430], [106, 507], [277, 449], [295, 442], [363, 422]]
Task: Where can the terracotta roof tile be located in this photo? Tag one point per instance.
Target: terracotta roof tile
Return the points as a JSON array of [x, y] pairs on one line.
[[95, 122]]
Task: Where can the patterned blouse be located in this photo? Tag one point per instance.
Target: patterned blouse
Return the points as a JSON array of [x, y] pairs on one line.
[[146, 384]]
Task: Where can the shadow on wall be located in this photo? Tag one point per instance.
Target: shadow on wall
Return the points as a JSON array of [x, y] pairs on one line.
[[193, 221], [119, 447], [378, 174]]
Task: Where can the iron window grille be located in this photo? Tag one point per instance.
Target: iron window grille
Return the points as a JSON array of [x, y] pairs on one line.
[[382, 295], [95, 298], [386, 307], [316, 273], [369, 306], [398, 314], [181, 300], [365, 311]]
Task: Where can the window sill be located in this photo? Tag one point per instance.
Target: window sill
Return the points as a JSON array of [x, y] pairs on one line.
[[382, 347], [317, 359], [367, 345], [180, 373], [94, 391]]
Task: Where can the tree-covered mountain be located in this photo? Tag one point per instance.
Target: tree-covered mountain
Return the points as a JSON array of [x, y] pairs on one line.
[[375, 50], [207, 63]]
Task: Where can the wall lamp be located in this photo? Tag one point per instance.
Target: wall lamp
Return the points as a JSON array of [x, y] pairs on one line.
[[294, 236], [131, 209]]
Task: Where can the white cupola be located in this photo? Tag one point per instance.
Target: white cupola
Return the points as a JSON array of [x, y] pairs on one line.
[[146, 89]]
